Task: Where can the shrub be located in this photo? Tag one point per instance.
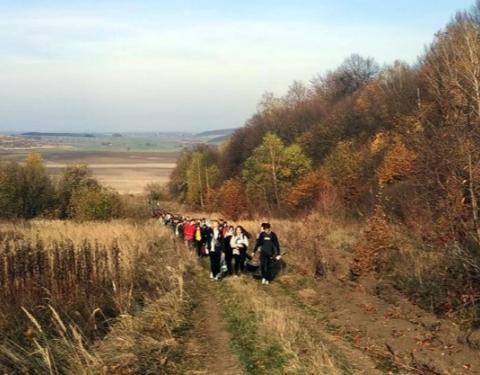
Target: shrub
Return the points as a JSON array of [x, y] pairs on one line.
[[94, 203], [397, 164], [73, 178], [374, 247], [231, 199], [135, 207], [305, 193]]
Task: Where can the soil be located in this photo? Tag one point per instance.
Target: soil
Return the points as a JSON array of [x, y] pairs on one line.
[[208, 343], [372, 316]]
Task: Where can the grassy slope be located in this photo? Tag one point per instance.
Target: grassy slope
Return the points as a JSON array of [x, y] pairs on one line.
[[304, 323], [319, 321]]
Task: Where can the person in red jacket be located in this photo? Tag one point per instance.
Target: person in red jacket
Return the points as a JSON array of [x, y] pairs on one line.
[[189, 233]]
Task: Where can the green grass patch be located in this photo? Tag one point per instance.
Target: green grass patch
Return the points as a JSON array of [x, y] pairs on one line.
[[258, 354]]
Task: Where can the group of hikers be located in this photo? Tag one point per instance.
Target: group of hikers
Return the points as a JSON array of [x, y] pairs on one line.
[[226, 246]]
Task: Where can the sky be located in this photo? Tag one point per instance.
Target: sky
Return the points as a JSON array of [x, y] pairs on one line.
[[144, 65]]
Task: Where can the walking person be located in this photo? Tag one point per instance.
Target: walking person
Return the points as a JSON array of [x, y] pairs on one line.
[[215, 248], [206, 235], [179, 229], [189, 233], [198, 240], [269, 247], [239, 244], [227, 250]]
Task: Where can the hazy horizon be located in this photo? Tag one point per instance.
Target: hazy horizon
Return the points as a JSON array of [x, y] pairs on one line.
[[149, 66]]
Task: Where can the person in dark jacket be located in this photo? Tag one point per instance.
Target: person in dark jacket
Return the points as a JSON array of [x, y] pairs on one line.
[[205, 232], [227, 249], [269, 247], [215, 249]]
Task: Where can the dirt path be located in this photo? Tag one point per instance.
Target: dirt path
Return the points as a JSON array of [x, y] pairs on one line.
[[396, 334], [208, 347]]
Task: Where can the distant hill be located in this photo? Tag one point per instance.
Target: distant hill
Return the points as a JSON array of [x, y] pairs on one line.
[[215, 133], [219, 140]]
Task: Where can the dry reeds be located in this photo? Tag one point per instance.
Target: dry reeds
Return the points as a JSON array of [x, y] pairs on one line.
[[62, 284]]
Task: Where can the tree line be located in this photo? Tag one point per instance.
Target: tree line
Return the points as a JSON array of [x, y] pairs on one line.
[[400, 140], [395, 147], [27, 191]]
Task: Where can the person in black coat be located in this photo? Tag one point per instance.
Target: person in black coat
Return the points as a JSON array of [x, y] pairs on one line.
[[227, 249], [269, 247]]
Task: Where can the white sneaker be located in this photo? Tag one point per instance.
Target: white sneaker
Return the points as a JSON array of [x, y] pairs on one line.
[[267, 282], [217, 278], [263, 281], [211, 275]]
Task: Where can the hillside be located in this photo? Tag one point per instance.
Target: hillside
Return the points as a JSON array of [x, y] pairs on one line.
[[337, 232], [394, 149], [215, 133], [313, 319]]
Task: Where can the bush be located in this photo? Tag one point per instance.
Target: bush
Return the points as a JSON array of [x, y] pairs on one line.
[[74, 177], [94, 203], [305, 194], [375, 246], [231, 199], [135, 207]]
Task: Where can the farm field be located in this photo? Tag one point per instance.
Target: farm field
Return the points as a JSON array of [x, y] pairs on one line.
[[126, 172], [124, 162], [124, 143]]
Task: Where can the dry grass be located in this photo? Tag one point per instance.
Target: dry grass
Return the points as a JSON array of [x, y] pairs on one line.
[[65, 284], [311, 244], [284, 324]]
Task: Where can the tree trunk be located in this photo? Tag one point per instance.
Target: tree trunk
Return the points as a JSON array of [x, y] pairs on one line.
[[274, 177], [200, 183], [473, 197]]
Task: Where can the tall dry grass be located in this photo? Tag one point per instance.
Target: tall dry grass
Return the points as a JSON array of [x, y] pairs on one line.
[[64, 284], [311, 244]]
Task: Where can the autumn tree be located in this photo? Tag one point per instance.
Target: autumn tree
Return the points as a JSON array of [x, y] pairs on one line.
[[94, 203], [37, 190], [397, 164], [447, 141], [73, 178], [11, 198], [273, 168], [305, 193], [355, 72], [231, 199], [177, 185]]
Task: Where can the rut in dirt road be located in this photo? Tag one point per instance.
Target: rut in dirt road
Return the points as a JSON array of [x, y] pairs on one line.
[[212, 328], [208, 347]]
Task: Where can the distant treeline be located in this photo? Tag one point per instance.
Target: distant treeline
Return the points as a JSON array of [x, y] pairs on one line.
[[218, 132], [27, 191], [42, 134]]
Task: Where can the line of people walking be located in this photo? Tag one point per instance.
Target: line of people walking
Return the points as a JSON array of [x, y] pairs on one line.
[[227, 246]]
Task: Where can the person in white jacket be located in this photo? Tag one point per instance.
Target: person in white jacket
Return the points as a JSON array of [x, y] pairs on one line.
[[239, 245]]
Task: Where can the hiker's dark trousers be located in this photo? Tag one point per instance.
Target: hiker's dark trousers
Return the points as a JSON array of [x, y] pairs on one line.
[[240, 261], [228, 259], [198, 247], [266, 267], [215, 258]]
